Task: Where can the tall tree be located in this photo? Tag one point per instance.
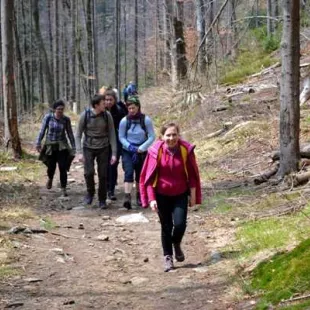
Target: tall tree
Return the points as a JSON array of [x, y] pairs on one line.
[[9, 94], [90, 47], [289, 94], [45, 64], [201, 26], [117, 44], [136, 55], [56, 51], [73, 51]]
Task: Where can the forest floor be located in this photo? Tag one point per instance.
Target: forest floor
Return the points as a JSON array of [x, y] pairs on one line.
[[88, 259]]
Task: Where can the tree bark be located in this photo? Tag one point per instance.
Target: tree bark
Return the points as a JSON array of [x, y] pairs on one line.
[[45, 64], [136, 55], [9, 94], [200, 13], [56, 49], [289, 93], [117, 44], [73, 51]]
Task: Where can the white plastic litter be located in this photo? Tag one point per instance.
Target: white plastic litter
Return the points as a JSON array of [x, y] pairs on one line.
[[132, 218]]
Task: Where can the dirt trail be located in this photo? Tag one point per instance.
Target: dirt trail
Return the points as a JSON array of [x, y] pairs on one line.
[[74, 270]]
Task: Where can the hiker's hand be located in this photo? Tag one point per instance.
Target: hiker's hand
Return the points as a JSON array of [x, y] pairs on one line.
[[153, 205], [132, 148], [113, 160], [192, 200], [38, 148], [80, 158]]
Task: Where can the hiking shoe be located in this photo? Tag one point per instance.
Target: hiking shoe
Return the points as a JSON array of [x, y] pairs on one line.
[[88, 199], [111, 196], [168, 265], [102, 205], [64, 192], [49, 183], [127, 202], [178, 253], [138, 200]]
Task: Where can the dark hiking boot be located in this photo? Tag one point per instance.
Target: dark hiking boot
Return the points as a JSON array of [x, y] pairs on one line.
[[102, 205], [88, 199], [64, 192], [127, 202], [178, 253], [111, 196], [49, 183], [138, 200], [168, 264]]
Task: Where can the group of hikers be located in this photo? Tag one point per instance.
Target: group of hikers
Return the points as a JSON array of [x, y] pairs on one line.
[[165, 172]]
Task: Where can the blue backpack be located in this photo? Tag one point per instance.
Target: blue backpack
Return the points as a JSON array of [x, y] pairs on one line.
[[132, 89]]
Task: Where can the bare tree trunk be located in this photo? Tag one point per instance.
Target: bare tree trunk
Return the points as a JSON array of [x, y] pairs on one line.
[[125, 43], [90, 52], [9, 95], [45, 64], [66, 72], [95, 47], [19, 57], [73, 51], [157, 49], [40, 79], [26, 55], [136, 55], [56, 50], [144, 42], [117, 44], [270, 23], [179, 41], [201, 27], [289, 110], [50, 36]]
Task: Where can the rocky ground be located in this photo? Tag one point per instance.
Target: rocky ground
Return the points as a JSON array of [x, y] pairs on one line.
[[90, 260]]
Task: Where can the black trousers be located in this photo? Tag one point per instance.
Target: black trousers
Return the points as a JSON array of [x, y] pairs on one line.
[[102, 157], [112, 169], [172, 211], [60, 158]]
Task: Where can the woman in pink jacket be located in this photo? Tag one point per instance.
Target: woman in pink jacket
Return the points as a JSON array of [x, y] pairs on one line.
[[169, 183]]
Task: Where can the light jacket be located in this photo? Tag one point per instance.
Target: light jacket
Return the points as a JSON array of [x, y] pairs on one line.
[[150, 169]]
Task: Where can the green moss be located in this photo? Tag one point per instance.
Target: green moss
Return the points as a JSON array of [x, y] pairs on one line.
[[7, 271], [246, 64], [283, 276]]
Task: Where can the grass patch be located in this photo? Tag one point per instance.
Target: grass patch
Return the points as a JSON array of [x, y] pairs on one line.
[[48, 223], [248, 62], [283, 276], [8, 271], [272, 233], [16, 213], [300, 306], [28, 169]]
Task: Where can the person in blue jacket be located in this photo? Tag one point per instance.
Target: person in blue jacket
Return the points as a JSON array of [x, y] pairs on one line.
[[136, 134]]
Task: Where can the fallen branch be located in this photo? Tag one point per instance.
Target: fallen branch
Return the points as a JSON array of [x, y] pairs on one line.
[[64, 236], [220, 108], [276, 155], [295, 299], [266, 175], [298, 179], [267, 70]]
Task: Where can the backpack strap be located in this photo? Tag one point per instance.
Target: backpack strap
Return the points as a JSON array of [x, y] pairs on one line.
[[184, 155], [141, 122]]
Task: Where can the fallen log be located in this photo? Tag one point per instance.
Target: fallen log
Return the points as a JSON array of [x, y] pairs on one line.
[[298, 179], [219, 108], [276, 155], [266, 175]]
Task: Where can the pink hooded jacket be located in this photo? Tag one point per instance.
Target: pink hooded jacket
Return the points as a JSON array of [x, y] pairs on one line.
[[150, 167]]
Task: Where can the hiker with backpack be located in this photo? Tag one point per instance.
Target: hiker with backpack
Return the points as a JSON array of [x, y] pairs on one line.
[[136, 133], [169, 183], [99, 135], [132, 89], [118, 112], [56, 150]]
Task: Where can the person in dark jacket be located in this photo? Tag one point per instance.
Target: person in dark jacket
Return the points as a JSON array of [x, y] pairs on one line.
[[56, 127], [98, 128], [118, 112]]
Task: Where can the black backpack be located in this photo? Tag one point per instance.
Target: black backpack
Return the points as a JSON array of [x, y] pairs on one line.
[[141, 122]]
